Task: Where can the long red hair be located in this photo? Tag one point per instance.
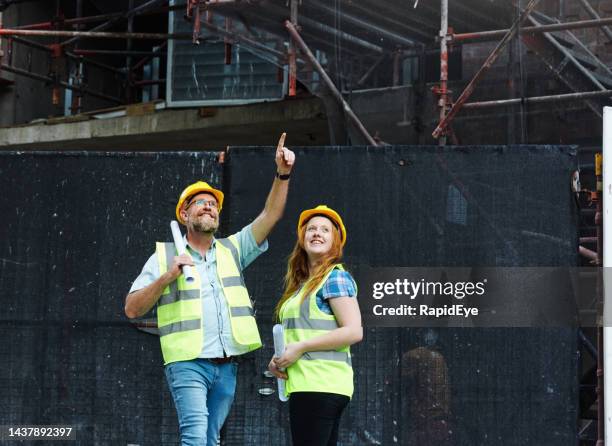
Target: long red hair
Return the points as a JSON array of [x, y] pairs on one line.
[[298, 273]]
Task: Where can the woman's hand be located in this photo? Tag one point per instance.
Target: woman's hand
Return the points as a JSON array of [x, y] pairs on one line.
[[293, 352], [275, 370]]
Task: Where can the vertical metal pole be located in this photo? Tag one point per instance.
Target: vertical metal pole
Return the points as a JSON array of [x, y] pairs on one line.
[[293, 51], [227, 44], [397, 59], [77, 96], [607, 256], [599, 290], [443, 90], [2, 52], [511, 73], [128, 60], [196, 23], [561, 10], [56, 59], [129, 43]]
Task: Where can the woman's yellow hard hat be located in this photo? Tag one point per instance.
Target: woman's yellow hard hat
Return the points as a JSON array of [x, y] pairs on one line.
[[197, 188], [327, 212]]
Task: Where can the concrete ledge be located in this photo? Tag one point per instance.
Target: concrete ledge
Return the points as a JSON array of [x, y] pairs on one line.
[[304, 120]]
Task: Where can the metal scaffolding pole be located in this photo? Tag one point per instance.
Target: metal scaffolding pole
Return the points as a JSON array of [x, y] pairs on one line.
[[600, 296], [50, 80], [589, 9], [85, 52], [492, 35], [324, 76], [97, 18], [138, 10], [128, 59], [293, 51], [538, 99], [442, 91], [467, 92], [93, 34]]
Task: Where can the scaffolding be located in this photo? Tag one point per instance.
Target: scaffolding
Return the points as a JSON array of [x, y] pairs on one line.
[[370, 34]]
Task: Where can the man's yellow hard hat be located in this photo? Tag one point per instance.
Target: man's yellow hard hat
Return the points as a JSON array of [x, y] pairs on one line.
[[327, 212], [197, 188]]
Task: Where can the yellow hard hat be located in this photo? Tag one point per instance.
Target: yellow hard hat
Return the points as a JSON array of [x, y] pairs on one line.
[[327, 212], [197, 188]]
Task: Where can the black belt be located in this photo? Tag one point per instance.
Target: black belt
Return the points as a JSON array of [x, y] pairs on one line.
[[220, 361]]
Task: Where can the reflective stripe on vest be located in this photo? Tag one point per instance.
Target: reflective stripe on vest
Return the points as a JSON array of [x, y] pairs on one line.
[[242, 320], [179, 310], [319, 371]]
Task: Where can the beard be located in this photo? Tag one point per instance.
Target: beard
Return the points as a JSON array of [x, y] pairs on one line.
[[205, 225]]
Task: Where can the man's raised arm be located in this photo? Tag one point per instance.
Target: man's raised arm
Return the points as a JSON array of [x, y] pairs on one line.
[[275, 203]]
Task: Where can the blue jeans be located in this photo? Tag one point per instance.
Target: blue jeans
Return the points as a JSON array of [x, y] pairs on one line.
[[203, 393]]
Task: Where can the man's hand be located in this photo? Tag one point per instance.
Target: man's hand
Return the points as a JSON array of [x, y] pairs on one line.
[[284, 157], [175, 270], [139, 302]]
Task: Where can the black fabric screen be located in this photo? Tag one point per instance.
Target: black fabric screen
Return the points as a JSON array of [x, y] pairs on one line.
[[77, 228]]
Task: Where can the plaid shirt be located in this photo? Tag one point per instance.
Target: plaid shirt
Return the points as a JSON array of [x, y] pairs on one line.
[[339, 284]]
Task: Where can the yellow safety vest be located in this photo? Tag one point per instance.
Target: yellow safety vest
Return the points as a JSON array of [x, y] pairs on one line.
[[319, 371], [179, 311]]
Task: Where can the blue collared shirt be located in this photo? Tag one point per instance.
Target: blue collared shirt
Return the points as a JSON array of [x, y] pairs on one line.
[[215, 313]]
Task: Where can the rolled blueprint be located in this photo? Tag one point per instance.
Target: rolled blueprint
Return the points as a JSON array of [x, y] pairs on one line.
[[279, 349], [180, 248]]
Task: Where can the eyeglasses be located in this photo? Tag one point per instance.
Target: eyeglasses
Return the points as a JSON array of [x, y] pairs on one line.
[[203, 203]]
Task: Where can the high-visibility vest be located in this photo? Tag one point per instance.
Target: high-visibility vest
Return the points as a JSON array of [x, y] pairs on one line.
[[318, 371], [179, 311]]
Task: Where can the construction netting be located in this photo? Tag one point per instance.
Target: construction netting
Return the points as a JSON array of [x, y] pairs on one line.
[[79, 226]]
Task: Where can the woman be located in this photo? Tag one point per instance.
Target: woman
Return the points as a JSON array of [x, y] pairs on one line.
[[321, 318]]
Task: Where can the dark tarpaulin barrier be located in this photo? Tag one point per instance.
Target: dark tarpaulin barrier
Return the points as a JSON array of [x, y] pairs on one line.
[[425, 206], [76, 230], [78, 227]]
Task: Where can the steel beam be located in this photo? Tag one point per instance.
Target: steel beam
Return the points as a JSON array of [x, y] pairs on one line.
[[324, 76]]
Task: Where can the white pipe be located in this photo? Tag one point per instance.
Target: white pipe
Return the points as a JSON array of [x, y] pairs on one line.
[[279, 349], [607, 262], [179, 243]]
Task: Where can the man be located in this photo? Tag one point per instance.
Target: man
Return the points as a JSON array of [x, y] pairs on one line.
[[206, 322]]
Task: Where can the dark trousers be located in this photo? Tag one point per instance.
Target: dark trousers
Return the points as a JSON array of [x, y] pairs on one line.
[[315, 417]]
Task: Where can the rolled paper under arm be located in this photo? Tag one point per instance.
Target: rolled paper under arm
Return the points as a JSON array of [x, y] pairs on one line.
[[279, 349], [181, 249]]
